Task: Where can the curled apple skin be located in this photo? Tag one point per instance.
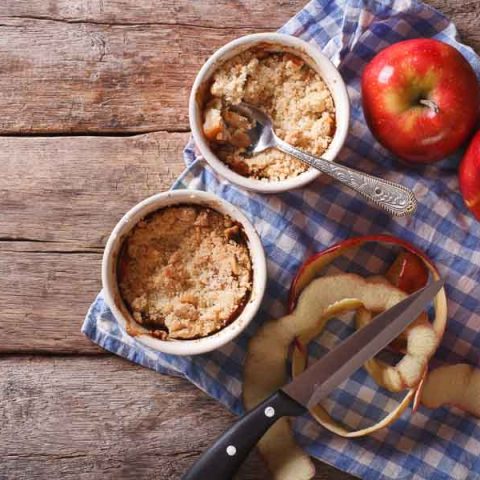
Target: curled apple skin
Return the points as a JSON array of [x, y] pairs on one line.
[[317, 263], [408, 272], [264, 372], [389, 295], [421, 343], [267, 352]]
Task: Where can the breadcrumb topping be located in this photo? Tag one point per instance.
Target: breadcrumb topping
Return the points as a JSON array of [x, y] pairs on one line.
[[289, 91], [185, 272]]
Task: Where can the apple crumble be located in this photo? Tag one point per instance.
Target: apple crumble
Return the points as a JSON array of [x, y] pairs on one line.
[[289, 91], [185, 272]]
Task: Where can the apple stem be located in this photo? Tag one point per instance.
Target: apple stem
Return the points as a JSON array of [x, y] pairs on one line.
[[430, 104]]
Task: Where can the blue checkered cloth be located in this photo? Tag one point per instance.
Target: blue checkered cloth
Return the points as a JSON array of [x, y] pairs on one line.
[[439, 444]]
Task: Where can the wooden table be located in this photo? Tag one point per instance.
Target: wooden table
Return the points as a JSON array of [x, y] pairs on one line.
[[93, 104]]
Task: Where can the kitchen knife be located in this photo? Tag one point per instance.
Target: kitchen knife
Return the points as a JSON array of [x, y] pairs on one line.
[[224, 457]]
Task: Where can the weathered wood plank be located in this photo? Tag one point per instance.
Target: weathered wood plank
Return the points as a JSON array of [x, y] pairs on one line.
[[101, 417], [212, 13], [102, 76], [61, 77], [74, 190], [44, 298], [61, 197], [227, 14], [114, 66], [465, 14]]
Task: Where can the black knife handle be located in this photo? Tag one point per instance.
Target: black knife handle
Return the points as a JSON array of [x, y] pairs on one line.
[[224, 457]]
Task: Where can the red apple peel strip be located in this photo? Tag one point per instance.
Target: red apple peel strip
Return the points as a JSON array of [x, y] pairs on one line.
[[422, 342], [265, 363], [299, 363], [265, 372], [314, 266], [267, 352], [399, 344], [318, 262]]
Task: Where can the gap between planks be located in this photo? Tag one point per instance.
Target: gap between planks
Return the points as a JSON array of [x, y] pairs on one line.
[[82, 418], [86, 133], [60, 198], [135, 24]]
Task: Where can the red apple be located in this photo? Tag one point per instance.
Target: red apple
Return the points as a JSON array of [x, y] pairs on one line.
[[421, 99], [469, 176]]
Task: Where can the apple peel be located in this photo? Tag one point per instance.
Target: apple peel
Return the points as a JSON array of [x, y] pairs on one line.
[[265, 369], [315, 265], [299, 363], [265, 372], [284, 458], [455, 385], [407, 272], [403, 267], [421, 344]]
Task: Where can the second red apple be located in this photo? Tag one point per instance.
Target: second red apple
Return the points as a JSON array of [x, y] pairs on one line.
[[469, 176]]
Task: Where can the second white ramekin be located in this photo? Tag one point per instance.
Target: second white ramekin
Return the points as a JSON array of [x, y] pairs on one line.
[[175, 198]]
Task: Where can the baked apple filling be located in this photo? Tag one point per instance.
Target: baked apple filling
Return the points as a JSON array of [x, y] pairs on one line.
[[289, 91]]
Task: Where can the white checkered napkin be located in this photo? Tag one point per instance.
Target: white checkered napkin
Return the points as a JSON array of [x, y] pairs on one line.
[[440, 444]]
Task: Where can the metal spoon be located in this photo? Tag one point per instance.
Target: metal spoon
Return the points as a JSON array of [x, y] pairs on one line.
[[392, 197]]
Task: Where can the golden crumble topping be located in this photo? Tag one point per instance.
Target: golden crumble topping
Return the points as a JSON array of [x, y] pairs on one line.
[[185, 272], [284, 87]]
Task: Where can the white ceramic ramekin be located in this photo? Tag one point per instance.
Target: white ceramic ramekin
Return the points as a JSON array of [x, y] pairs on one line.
[[275, 42], [182, 197]]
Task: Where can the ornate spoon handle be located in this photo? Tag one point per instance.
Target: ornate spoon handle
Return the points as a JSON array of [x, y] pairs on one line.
[[392, 197]]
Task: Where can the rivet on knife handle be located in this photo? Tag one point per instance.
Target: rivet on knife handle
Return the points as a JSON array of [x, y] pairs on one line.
[[222, 460]]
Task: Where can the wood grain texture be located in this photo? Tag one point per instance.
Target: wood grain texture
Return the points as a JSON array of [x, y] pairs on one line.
[[44, 298], [60, 77], [91, 74], [73, 190], [102, 417], [208, 13], [60, 198], [465, 15]]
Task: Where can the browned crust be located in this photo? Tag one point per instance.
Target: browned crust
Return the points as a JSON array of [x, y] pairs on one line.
[[134, 328]]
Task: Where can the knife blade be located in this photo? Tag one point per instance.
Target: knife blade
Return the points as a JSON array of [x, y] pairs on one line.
[[317, 381], [225, 456]]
